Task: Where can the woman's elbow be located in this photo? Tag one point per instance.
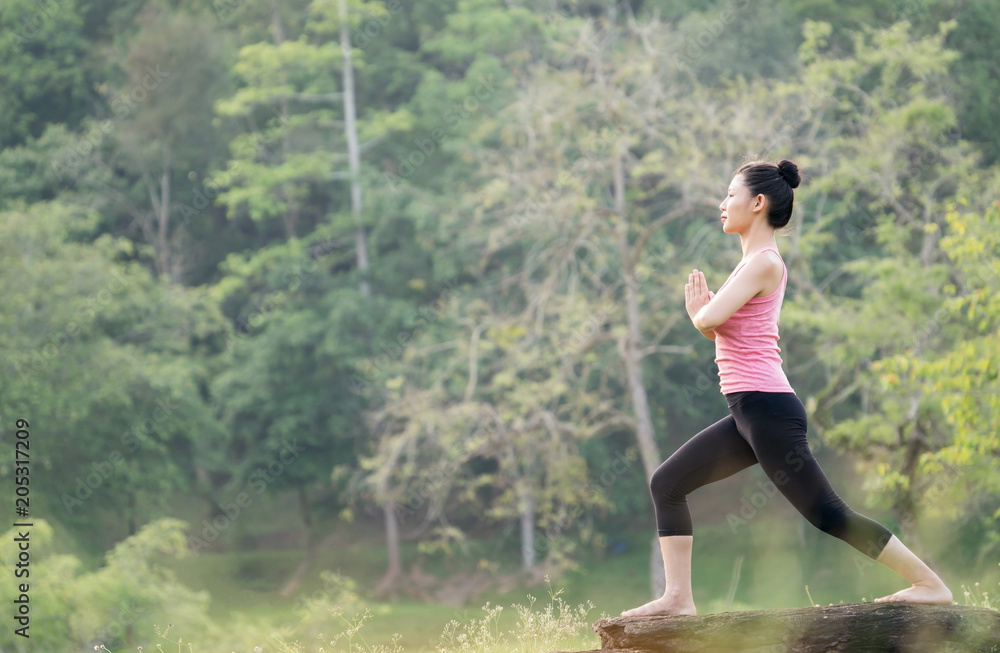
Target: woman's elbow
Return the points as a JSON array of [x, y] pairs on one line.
[[704, 322]]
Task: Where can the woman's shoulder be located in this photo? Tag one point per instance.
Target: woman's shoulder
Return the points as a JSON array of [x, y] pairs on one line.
[[768, 268], [765, 261]]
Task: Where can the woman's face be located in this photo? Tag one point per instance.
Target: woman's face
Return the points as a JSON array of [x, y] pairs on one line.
[[738, 207]]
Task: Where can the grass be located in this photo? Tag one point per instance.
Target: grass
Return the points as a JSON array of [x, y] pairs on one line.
[[773, 574], [777, 558]]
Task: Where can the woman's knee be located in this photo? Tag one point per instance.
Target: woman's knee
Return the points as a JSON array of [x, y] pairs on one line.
[[663, 482], [830, 518]]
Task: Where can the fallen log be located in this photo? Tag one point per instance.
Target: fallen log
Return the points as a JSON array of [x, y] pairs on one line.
[[852, 628]]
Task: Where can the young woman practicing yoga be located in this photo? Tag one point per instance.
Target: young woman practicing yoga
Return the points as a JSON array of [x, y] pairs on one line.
[[767, 422]]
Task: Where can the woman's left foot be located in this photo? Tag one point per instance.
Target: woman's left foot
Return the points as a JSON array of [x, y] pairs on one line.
[[936, 594]]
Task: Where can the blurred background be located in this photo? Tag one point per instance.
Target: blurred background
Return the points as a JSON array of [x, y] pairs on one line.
[[337, 320]]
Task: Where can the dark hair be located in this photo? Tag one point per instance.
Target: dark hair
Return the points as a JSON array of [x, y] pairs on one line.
[[775, 182]]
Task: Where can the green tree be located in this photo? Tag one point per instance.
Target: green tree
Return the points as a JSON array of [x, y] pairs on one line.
[[102, 359], [42, 68], [889, 163], [113, 605], [162, 134], [958, 380], [281, 384]]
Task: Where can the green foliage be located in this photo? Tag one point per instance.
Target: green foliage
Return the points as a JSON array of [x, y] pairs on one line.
[[976, 86], [30, 173], [42, 68], [106, 359], [180, 297], [107, 606], [962, 379]]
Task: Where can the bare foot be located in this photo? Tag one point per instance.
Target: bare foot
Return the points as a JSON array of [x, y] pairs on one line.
[[664, 605], [933, 594]]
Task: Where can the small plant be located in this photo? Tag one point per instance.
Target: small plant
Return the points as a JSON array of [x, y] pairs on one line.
[[557, 626], [180, 642], [353, 630], [811, 602], [978, 598], [163, 635], [537, 629]]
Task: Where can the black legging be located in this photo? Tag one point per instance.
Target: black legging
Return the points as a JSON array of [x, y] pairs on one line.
[[769, 428]]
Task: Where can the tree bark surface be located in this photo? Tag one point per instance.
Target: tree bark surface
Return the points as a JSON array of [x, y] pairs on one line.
[[852, 628]]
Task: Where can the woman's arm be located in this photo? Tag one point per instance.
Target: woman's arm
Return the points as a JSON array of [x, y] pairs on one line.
[[708, 310], [697, 295]]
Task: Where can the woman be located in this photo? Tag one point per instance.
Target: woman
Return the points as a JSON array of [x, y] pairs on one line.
[[767, 422]]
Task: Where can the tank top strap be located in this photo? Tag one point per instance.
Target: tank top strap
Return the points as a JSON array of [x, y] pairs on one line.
[[784, 270], [764, 249]]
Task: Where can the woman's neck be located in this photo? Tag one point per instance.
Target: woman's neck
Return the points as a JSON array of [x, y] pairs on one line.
[[759, 236]]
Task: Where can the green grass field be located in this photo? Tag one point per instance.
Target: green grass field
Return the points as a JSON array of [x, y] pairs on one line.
[[778, 559], [765, 563]]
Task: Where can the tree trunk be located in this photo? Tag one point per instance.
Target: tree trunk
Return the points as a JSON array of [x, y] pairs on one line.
[[395, 570], [160, 201], [905, 504], [632, 350], [631, 353], [528, 529], [852, 628], [353, 151], [312, 547]]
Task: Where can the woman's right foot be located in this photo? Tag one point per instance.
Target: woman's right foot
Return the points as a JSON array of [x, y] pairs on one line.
[[934, 593], [665, 605]]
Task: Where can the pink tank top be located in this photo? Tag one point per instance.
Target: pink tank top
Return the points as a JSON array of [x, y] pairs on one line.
[[746, 345]]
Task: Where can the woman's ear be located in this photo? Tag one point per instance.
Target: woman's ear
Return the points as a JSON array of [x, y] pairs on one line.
[[759, 202]]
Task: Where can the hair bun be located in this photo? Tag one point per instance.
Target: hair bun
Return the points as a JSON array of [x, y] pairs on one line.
[[789, 172]]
